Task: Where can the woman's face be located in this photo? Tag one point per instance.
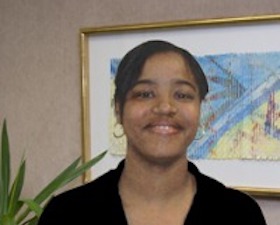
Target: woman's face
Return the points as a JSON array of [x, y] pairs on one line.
[[161, 112]]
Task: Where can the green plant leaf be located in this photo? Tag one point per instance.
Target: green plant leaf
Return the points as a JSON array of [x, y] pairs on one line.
[[36, 208], [14, 203], [50, 188], [10, 203], [67, 175], [4, 171], [7, 220], [85, 166], [56, 182], [32, 221]]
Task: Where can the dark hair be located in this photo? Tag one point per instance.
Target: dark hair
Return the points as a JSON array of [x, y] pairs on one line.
[[131, 66]]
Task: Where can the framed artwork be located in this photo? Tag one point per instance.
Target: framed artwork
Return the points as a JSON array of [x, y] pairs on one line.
[[240, 145]]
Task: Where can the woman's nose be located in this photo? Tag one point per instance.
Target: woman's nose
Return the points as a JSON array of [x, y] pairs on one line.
[[165, 107]]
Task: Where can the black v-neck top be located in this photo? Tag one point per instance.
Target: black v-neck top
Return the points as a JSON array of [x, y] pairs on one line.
[[98, 202]]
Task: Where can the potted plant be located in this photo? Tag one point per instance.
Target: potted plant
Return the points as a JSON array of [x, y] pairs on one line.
[[15, 210]]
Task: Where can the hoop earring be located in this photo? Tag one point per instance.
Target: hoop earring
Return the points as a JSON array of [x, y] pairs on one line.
[[200, 132], [118, 131]]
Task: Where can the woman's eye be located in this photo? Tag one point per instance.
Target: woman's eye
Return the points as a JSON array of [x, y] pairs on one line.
[[144, 94], [184, 96]]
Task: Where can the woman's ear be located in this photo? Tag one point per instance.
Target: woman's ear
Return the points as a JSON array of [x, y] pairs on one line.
[[117, 113]]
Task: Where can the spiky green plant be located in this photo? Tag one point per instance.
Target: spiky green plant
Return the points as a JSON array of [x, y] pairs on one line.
[[15, 210]]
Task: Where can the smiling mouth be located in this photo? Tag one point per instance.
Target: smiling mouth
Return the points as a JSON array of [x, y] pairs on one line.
[[164, 129]]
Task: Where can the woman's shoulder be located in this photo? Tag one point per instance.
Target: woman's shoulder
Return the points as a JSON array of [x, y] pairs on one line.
[[97, 188], [214, 196], [78, 203]]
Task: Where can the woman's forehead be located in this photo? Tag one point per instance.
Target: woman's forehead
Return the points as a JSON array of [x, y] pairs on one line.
[[166, 66]]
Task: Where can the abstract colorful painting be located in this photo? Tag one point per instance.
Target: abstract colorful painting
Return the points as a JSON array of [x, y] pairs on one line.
[[240, 117]]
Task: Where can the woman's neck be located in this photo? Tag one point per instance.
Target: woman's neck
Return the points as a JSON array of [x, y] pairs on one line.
[[155, 181], [156, 194]]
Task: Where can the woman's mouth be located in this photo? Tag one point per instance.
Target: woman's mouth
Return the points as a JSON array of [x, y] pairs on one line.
[[164, 128]]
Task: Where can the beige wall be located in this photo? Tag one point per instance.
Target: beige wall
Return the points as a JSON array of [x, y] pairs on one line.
[[40, 81]]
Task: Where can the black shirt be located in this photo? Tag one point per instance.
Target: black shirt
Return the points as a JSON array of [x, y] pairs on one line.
[[98, 202]]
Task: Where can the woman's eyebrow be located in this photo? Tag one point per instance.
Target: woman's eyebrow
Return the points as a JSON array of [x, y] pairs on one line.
[[144, 81], [176, 82], [186, 82]]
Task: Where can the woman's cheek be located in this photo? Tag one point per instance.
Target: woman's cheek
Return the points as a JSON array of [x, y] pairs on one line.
[[133, 115]]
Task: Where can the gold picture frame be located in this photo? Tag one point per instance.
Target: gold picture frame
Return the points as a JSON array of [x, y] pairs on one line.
[[94, 126]]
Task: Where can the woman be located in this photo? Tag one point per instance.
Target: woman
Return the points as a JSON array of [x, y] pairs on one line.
[[159, 90]]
